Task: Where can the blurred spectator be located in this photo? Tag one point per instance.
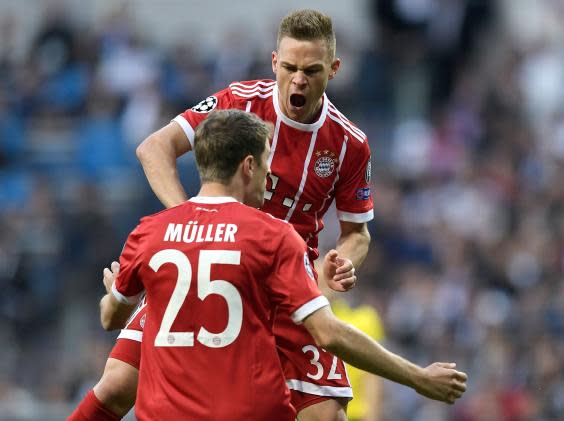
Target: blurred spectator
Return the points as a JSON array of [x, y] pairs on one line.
[[463, 103]]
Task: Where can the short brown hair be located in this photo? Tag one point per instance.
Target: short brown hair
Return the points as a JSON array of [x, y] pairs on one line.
[[308, 25], [224, 139]]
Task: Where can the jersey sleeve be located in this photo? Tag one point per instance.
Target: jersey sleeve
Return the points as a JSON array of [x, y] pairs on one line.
[[128, 287], [292, 283], [353, 197], [192, 117]]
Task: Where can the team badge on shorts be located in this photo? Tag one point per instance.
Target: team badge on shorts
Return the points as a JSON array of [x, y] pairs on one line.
[[307, 265], [206, 105], [325, 163]]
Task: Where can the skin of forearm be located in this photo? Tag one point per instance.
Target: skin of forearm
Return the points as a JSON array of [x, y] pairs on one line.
[[359, 350], [354, 246], [114, 315], [164, 179]]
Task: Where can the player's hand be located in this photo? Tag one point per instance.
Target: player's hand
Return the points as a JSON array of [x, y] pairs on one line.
[[338, 272], [442, 382], [110, 276]]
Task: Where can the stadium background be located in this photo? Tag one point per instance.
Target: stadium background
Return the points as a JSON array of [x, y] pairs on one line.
[[463, 102]]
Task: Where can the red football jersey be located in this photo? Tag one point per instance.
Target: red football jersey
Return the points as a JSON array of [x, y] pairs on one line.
[[214, 270], [311, 164]]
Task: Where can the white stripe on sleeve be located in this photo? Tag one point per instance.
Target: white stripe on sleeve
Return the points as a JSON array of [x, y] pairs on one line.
[[308, 308], [188, 130], [355, 217], [126, 300]]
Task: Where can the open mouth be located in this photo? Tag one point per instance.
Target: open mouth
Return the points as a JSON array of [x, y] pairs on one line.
[[297, 100]]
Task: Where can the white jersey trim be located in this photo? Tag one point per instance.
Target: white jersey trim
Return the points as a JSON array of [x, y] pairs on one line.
[[359, 218], [212, 200], [134, 335], [126, 300], [340, 122], [347, 123], [188, 130], [264, 90], [308, 308], [260, 94], [274, 141], [304, 176], [315, 389], [300, 126], [259, 84]]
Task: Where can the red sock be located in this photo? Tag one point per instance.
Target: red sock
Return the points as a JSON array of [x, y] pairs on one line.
[[91, 409]]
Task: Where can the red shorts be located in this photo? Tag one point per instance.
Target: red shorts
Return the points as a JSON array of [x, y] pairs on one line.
[[311, 372], [128, 345]]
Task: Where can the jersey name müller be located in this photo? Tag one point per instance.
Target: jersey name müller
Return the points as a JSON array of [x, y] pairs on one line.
[[311, 164]]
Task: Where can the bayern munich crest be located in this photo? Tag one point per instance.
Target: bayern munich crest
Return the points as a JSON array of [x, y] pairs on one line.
[[206, 105], [325, 164]]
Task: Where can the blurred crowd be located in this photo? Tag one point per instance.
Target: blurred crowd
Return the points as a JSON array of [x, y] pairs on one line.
[[463, 102]]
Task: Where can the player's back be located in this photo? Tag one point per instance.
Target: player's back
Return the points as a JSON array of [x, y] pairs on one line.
[[208, 350]]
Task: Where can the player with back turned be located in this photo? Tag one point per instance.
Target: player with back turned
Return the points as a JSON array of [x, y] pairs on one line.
[[317, 156], [213, 271]]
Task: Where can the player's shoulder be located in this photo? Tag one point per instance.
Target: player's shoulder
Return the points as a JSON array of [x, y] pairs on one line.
[[342, 124], [269, 225], [252, 89], [267, 219]]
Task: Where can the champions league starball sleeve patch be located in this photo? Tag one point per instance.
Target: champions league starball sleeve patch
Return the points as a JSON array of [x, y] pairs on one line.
[[307, 265], [206, 105]]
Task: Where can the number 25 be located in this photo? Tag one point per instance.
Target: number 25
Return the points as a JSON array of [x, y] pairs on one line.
[[205, 287]]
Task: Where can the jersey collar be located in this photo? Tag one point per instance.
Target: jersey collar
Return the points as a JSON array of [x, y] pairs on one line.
[[212, 200], [300, 126]]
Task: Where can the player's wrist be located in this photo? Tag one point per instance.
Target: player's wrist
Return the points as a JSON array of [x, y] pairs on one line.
[[417, 378]]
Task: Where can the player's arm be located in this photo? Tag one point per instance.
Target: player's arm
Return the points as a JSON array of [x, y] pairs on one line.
[[337, 269], [158, 154], [439, 381], [113, 313]]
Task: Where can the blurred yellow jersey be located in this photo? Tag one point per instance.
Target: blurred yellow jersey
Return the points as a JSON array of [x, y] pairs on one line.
[[366, 319]]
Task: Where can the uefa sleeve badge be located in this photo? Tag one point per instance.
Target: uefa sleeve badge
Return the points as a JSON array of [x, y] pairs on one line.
[[206, 105]]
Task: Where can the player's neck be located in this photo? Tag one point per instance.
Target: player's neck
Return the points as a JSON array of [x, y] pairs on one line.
[[214, 189], [315, 113]]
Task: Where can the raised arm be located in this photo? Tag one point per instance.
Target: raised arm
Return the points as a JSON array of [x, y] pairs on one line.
[[439, 381], [158, 154], [337, 268]]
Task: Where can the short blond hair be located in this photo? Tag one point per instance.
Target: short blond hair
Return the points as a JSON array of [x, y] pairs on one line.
[[308, 25]]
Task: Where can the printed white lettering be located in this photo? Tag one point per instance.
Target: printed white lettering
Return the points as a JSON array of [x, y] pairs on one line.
[[192, 232]]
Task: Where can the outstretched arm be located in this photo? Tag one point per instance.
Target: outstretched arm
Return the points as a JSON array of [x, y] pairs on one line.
[[439, 381], [158, 154]]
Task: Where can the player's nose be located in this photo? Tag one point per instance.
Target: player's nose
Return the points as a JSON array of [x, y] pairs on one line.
[[300, 78]]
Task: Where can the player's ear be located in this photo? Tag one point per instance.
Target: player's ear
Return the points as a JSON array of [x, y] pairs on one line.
[[248, 166], [334, 67], [274, 61]]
